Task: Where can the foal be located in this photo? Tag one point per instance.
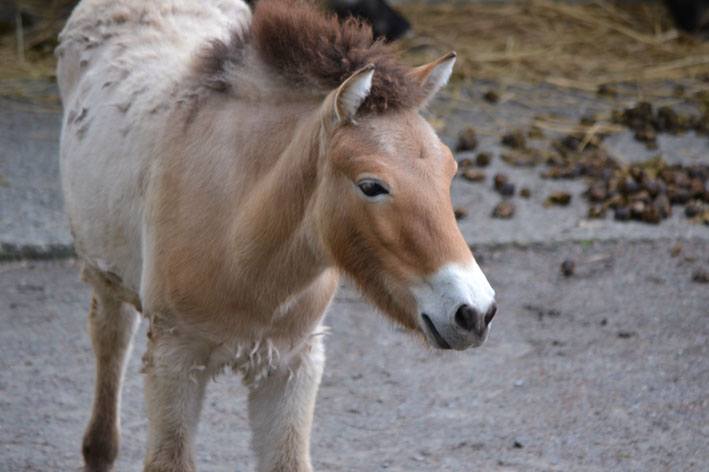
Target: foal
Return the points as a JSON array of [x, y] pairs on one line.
[[220, 171]]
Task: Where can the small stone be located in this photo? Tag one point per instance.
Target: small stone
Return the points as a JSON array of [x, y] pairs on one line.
[[483, 159], [693, 209], [525, 192], [676, 250], [491, 96], [568, 267], [465, 163], [653, 187], [627, 186], [637, 208], [647, 135], [597, 211], [558, 198], [651, 215], [467, 140], [701, 276], [460, 212], [667, 120], [507, 189], [553, 173], [499, 180], [622, 214], [517, 444], [473, 175], [597, 192], [662, 204], [642, 196], [515, 140], [677, 195], [504, 210], [625, 334], [696, 188]]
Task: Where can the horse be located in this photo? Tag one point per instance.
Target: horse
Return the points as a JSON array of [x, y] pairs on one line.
[[222, 170]]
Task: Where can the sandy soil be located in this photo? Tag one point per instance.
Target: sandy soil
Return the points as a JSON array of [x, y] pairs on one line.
[[601, 371]]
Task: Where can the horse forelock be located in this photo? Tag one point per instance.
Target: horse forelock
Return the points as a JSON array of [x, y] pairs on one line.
[[307, 48]]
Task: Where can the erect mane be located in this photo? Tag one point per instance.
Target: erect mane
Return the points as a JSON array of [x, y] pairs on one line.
[[301, 44]]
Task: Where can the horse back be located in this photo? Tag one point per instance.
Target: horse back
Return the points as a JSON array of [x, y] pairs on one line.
[[122, 65]]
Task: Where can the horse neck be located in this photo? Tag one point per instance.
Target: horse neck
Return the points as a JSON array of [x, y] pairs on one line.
[[274, 239]]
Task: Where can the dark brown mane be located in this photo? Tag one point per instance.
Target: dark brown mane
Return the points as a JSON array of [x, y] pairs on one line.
[[306, 47]]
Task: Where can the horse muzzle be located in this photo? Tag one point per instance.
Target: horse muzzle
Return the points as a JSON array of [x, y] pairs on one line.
[[457, 306]]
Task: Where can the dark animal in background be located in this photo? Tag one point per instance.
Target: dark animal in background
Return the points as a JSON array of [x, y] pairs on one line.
[[385, 21], [690, 15]]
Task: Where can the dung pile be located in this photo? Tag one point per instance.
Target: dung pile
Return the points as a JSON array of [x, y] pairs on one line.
[[643, 192], [646, 123]]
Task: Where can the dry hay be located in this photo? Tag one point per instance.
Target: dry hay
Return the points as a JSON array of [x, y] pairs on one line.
[[581, 46], [27, 59]]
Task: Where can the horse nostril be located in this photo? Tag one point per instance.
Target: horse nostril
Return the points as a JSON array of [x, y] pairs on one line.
[[490, 313], [465, 317]]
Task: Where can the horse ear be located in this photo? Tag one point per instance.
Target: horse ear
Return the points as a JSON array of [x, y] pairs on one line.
[[435, 75], [350, 95]]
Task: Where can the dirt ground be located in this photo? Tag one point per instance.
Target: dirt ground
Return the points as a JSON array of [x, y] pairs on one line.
[[604, 370]]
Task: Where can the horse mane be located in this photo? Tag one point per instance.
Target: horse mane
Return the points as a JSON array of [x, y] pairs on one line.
[[301, 44]]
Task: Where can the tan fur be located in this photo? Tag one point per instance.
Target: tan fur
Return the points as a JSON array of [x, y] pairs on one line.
[[227, 218]]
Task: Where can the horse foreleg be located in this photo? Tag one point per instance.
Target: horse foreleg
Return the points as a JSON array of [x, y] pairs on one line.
[[174, 389], [281, 412], [111, 326]]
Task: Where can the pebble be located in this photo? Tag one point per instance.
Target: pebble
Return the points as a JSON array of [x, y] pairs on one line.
[[504, 210], [693, 209], [491, 96], [596, 211], [701, 276], [507, 189], [483, 159], [622, 214], [514, 139], [499, 180], [465, 163], [558, 198], [467, 140], [473, 175], [568, 267]]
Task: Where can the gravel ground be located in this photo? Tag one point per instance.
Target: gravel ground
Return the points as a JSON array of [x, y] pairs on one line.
[[601, 371], [605, 370]]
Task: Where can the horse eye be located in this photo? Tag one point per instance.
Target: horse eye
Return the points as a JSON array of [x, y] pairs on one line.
[[372, 189]]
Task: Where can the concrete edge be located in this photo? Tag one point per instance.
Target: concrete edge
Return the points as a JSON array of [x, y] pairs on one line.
[[14, 252]]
